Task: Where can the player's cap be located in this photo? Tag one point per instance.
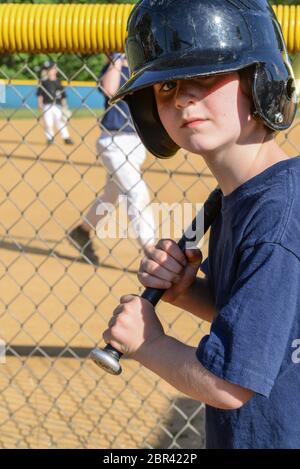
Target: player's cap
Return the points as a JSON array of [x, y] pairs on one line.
[[48, 64]]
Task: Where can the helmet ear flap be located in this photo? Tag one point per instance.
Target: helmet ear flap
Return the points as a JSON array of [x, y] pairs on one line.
[[143, 109], [274, 95]]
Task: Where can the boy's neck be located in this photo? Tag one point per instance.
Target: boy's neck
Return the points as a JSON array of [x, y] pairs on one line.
[[235, 166]]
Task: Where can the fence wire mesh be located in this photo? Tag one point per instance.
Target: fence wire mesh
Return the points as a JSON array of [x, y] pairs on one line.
[[55, 303]]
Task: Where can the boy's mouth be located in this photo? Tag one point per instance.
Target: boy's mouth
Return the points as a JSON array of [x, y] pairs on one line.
[[192, 122]]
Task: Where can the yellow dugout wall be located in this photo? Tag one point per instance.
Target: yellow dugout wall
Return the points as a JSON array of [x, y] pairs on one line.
[[92, 28]]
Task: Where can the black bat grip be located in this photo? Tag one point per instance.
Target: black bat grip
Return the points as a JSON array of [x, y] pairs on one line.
[[109, 358]]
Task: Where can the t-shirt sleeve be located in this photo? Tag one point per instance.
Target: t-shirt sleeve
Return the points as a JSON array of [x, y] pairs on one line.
[[39, 91], [250, 335]]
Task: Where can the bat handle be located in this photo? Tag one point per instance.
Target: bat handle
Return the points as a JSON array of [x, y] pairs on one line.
[[108, 359]]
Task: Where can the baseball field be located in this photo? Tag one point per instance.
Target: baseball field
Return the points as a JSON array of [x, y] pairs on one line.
[[54, 306]]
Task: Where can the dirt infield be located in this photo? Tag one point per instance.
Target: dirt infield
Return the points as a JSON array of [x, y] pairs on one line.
[[52, 300]]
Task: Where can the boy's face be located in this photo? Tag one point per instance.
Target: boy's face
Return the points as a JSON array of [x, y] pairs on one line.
[[205, 114], [52, 73]]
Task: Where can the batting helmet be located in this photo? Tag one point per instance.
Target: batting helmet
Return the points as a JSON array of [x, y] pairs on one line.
[[180, 39]]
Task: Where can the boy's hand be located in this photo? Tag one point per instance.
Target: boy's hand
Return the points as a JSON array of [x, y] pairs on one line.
[[133, 326], [166, 266]]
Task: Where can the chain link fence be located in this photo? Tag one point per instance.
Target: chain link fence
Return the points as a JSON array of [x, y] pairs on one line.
[[55, 304]]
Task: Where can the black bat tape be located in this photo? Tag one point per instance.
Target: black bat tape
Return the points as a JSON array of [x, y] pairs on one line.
[[108, 358]]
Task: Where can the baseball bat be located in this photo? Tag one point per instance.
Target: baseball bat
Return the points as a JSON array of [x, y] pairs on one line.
[[109, 358]]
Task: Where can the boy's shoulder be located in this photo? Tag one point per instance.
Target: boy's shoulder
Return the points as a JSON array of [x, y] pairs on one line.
[[269, 212]]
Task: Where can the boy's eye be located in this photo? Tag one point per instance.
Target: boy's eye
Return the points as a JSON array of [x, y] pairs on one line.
[[168, 86]]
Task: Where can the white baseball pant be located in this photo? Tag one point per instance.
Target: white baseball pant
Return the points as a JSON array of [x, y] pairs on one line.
[[53, 116], [122, 155]]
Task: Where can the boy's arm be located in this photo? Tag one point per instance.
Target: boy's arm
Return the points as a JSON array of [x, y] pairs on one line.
[[111, 79], [40, 103], [239, 349], [135, 330], [197, 300], [189, 376]]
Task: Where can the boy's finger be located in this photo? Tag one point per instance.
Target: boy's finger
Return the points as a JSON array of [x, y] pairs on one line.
[[127, 298], [193, 255], [195, 258], [152, 268], [169, 246], [153, 282], [166, 260]]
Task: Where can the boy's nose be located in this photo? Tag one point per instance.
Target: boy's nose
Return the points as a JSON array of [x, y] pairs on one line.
[[186, 94]]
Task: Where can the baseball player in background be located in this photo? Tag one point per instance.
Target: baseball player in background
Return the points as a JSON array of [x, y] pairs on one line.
[[52, 103], [122, 154]]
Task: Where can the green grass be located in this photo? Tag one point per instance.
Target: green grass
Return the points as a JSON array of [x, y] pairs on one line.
[[23, 113]]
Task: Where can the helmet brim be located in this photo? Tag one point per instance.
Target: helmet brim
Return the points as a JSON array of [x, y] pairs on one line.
[[188, 67]]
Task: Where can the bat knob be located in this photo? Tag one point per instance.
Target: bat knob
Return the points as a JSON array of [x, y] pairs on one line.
[[107, 359]]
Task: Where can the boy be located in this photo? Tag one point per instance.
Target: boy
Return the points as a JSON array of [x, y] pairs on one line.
[[52, 103], [220, 88]]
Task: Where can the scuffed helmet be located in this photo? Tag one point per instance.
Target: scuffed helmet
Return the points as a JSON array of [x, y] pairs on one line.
[[180, 39]]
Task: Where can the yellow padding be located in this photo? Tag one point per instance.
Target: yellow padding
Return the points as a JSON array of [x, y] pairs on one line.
[[91, 28], [289, 19], [296, 68], [63, 28]]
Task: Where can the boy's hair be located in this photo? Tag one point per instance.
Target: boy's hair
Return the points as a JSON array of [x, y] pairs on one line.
[[180, 39]]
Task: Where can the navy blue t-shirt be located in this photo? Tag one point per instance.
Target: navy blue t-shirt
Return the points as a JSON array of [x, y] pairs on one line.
[[253, 270], [117, 117]]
